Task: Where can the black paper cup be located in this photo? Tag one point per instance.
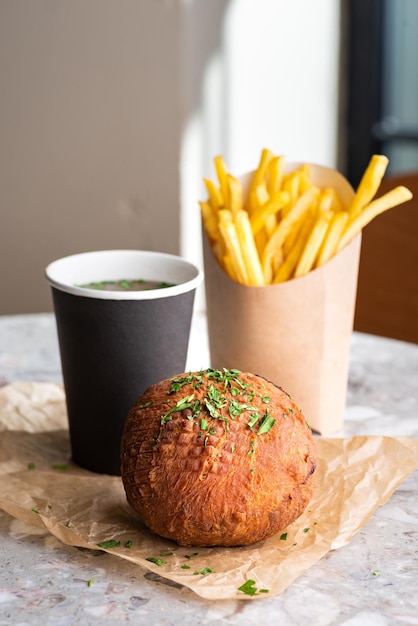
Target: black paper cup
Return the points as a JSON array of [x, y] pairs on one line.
[[115, 344]]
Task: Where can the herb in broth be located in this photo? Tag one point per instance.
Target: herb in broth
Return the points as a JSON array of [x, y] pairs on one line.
[[137, 284]]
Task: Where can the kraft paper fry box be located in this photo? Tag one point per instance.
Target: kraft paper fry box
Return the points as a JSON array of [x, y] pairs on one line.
[[296, 333]]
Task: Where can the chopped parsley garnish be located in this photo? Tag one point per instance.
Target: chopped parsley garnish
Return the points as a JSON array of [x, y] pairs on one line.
[[110, 543], [155, 560], [34, 510], [31, 466], [215, 396], [204, 571], [235, 408], [250, 589], [214, 402], [179, 381], [63, 467], [253, 420], [183, 403], [283, 537], [185, 566], [90, 582], [266, 424], [129, 543], [191, 556]]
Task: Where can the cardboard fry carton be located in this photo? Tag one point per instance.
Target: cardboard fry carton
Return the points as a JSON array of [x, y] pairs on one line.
[[296, 333]]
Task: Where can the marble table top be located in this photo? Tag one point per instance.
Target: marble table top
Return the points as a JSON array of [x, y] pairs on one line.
[[371, 581]]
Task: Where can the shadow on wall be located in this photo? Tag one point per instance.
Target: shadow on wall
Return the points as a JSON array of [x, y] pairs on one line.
[[94, 101]]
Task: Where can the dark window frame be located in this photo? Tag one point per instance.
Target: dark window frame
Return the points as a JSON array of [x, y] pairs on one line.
[[365, 19]]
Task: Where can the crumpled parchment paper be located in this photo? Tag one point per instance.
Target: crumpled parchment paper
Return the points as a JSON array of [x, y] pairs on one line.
[[41, 486]]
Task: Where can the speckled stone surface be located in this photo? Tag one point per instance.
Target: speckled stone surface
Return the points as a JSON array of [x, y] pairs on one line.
[[371, 581]]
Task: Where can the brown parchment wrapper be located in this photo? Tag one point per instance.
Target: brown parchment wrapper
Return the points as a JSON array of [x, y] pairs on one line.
[[296, 333], [83, 509]]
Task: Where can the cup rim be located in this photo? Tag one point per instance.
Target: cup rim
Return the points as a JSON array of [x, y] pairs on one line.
[[65, 273]]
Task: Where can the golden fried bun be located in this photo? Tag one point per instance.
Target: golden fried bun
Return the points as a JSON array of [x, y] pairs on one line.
[[217, 458]]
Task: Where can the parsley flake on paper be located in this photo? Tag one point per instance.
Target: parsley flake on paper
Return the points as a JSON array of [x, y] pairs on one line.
[[111, 543], [250, 589], [204, 571], [156, 560]]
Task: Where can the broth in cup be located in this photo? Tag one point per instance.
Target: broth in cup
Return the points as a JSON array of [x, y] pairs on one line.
[[138, 284]]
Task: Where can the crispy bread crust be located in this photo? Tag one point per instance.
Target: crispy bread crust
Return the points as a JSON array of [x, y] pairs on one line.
[[204, 464]]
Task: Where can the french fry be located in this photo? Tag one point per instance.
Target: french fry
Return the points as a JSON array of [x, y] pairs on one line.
[[256, 198], [221, 173], [258, 176], [274, 183], [313, 244], [331, 240], [369, 183], [270, 225], [275, 174], [293, 236], [277, 261], [261, 239], [304, 178], [229, 268], [232, 245], [215, 199], [291, 185], [286, 269], [336, 204], [271, 207], [210, 220], [260, 195], [286, 226], [234, 194], [326, 200], [248, 249], [219, 251], [275, 242], [356, 223]]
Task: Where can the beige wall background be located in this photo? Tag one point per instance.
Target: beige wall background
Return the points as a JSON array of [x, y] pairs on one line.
[[111, 111]]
